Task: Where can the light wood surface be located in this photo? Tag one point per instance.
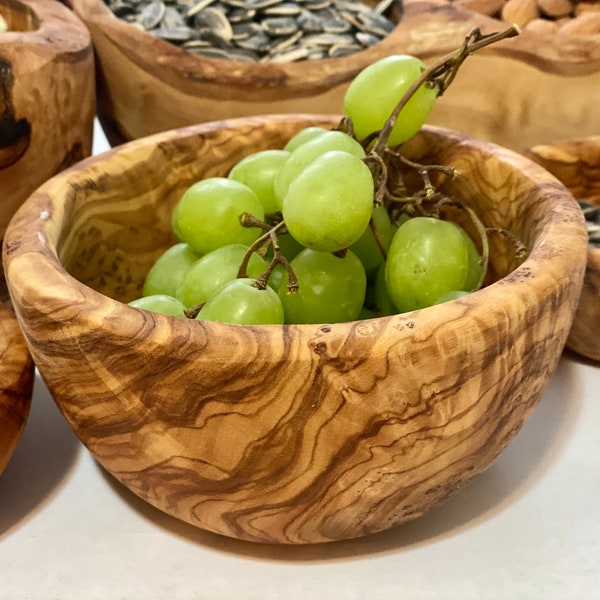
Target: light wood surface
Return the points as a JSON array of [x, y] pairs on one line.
[[47, 97], [524, 91], [577, 164], [287, 434]]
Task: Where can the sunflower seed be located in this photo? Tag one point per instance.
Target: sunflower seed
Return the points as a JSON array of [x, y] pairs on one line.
[[591, 213], [262, 30], [279, 26]]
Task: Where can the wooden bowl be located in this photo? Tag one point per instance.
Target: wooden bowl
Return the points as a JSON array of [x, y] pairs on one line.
[[47, 98], [528, 90], [16, 378], [524, 91], [296, 433], [577, 164]]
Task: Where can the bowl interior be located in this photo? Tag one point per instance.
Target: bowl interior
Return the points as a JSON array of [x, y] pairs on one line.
[[110, 241], [18, 16]]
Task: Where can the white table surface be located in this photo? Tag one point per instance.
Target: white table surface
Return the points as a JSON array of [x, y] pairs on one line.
[[527, 528]]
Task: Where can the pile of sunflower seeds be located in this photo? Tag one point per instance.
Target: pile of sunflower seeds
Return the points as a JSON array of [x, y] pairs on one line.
[[592, 221], [262, 30]]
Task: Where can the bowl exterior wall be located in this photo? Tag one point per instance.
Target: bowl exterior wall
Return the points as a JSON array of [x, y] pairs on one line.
[[47, 99], [576, 162]]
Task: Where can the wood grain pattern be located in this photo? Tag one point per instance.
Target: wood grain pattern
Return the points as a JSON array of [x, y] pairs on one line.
[[16, 378], [287, 434], [577, 164], [47, 97], [146, 85]]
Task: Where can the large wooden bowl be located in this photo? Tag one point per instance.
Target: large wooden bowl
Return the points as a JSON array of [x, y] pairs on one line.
[[298, 433], [524, 91], [47, 98], [16, 379], [577, 164]]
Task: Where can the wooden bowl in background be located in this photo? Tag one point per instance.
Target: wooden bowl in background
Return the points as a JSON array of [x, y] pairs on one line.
[[524, 91], [577, 164], [296, 433], [16, 379], [47, 97]]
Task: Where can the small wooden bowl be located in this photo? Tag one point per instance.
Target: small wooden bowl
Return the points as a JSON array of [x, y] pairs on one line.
[[296, 433], [16, 379], [47, 97], [577, 164], [524, 91]]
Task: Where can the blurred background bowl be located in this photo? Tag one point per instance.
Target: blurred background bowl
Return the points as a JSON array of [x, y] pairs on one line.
[[297, 433], [577, 164], [16, 379], [47, 97], [527, 90], [46, 116]]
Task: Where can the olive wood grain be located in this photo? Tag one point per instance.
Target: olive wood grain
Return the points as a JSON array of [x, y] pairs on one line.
[[577, 164], [47, 97], [298, 433], [16, 378], [514, 93]]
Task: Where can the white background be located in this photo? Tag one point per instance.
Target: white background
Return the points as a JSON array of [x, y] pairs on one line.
[[527, 528]]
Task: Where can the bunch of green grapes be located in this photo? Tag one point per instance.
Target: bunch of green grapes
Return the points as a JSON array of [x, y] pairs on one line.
[[295, 235]]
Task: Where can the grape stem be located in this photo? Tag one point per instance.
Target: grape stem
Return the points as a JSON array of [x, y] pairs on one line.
[[441, 75], [270, 236]]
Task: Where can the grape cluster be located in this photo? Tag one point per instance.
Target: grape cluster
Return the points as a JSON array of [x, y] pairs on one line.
[[297, 235]]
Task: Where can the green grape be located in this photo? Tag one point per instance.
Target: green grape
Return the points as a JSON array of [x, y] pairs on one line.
[[240, 302], [382, 301], [208, 214], [303, 136], [300, 158], [451, 296], [474, 271], [332, 288], [160, 303], [426, 259], [175, 222], [374, 93], [288, 246], [258, 171], [366, 313], [329, 204], [166, 274], [276, 277], [366, 248], [213, 270]]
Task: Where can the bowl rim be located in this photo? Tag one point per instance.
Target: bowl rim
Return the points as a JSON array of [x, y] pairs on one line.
[[426, 28], [54, 25], [564, 221]]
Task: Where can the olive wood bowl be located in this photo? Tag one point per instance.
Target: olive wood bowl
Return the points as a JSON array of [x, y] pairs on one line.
[[531, 89], [47, 97], [524, 91], [16, 378], [576, 163], [295, 433]]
